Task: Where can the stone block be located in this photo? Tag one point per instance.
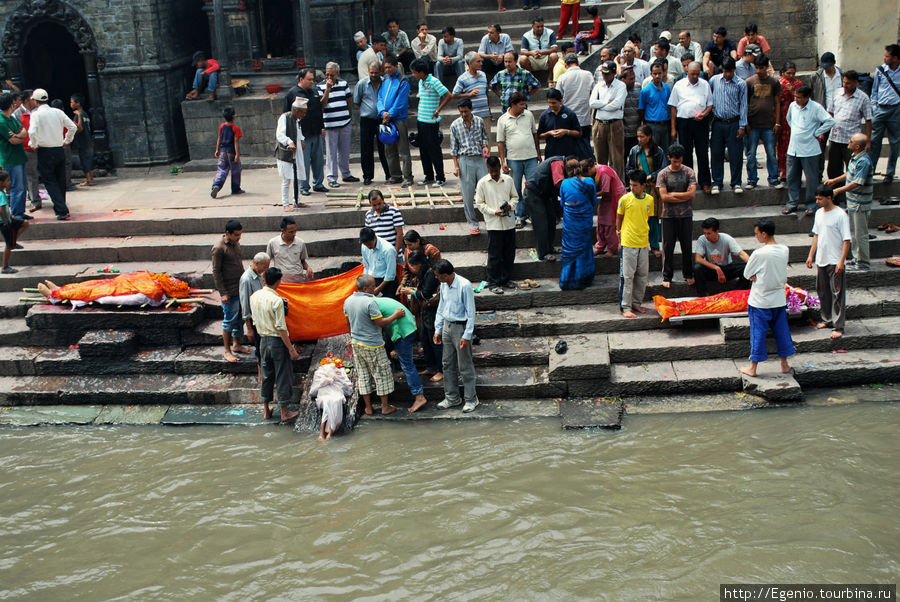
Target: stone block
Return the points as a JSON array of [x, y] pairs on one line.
[[587, 358], [814, 370], [18, 361], [644, 378], [198, 414], [773, 386], [33, 416], [65, 361], [158, 337], [90, 318], [591, 413], [672, 344], [707, 375], [733, 329], [107, 343], [208, 332], [496, 324], [30, 390], [862, 303], [205, 360], [122, 414], [692, 402], [148, 389], [511, 352]]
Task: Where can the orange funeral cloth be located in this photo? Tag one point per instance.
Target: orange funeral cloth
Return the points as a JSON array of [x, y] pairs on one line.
[[316, 309], [151, 285], [723, 303]]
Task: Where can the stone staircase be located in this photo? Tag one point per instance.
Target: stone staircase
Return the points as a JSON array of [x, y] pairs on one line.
[[53, 355]]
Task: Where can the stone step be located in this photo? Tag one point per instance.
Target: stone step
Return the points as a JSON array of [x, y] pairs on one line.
[[469, 16], [689, 343], [107, 343], [78, 234], [862, 366], [502, 408], [139, 389], [497, 383]]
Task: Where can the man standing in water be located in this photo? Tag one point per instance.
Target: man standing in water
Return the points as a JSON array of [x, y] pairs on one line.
[[276, 351], [767, 306]]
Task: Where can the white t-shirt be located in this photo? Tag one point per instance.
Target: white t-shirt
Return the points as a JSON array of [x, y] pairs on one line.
[[832, 228], [719, 252], [769, 264]]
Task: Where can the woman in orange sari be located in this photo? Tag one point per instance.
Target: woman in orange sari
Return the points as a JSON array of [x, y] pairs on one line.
[[789, 83]]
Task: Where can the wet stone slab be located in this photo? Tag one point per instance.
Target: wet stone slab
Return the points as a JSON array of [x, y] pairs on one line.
[[673, 344], [587, 358], [30, 390], [199, 360], [185, 415], [511, 352], [814, 370], [153, 389], [67, 361], [644, 378], [513, 408], [107, 343], [208, 332], [91, 318], [733, 329], [707, 375], [18, 361], [120, 414], [692, 402], [773, 386], [36, 415], [500, 323], [591, 413]]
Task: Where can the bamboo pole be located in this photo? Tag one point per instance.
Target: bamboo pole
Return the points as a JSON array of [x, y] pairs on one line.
[[430, 200], [30, 290], [352, 195], [446, 196], [412, 197]]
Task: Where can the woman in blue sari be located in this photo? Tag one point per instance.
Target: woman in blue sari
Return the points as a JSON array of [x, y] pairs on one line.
[[578, 197]]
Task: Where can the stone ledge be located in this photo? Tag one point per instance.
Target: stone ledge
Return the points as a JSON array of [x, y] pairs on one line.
[[587, 358], [772, 386]]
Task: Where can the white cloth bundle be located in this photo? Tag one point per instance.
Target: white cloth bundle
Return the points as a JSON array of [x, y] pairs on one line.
[[330, 387]]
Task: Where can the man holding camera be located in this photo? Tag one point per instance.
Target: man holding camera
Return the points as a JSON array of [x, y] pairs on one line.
[[496, 199]]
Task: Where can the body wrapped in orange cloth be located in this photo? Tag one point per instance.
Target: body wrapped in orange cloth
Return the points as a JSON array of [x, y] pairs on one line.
[[723, 303], [142, 287]]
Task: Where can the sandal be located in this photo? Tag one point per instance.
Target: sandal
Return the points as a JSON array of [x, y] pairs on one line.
[[524, 286], [892, 228], [894, 261], [787, 211], [497, 290], [809, 212], [883, 226], [531, 283]]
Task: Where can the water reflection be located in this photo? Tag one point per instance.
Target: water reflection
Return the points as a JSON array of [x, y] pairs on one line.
[[665, 509]]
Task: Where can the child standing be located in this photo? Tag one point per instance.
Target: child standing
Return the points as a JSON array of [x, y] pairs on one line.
[[635, 208], [11, 226], [228, 152]]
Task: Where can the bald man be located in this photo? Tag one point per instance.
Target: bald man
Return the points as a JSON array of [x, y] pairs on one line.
[[858, 183]]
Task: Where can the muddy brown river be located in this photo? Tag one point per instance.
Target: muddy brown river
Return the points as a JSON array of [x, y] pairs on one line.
[[665, 509]]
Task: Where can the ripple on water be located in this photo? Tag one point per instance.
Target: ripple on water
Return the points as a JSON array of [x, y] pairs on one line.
[[666, 508]]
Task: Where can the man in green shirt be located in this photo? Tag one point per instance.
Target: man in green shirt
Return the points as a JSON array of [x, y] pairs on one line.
[[12, 155], [402, 333]]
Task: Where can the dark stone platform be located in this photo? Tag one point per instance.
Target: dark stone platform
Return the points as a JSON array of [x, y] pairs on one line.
[[591, 413]]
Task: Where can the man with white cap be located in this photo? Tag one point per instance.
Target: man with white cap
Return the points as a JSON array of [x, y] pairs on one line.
[[745, 68], [289, 139], [49, 131], [362, 43]]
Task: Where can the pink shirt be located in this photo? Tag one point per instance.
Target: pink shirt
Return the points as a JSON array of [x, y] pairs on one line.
[[760, 41], [608, 181]]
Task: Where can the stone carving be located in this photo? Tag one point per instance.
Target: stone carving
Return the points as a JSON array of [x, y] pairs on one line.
[[28, 10]]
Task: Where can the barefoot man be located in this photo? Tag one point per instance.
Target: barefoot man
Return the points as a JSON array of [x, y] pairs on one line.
[[227, 269], [275, 349], [365, 321], [829, 250], [767, 305]]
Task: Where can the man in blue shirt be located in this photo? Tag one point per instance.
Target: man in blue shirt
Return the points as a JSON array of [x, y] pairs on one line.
[[728, 127], [455, 321], [365, 96], [886, 109], [810, 124], [393, 107], [379, 261], [653, 105]]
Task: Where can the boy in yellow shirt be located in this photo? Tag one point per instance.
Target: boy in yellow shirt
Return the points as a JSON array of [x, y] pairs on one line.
[[634, 232]]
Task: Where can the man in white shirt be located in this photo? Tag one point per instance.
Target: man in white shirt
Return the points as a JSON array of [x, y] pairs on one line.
[[686, 46], [630, 59], [690, 104], [829, 250], [50, 130], [608, 133], [767, 304], [289, 140], [576, 85]]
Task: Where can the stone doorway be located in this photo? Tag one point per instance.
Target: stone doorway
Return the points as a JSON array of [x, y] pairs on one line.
[[51, 60], [278, 35]]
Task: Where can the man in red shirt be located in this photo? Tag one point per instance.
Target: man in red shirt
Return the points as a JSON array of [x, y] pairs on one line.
[[205, 78]]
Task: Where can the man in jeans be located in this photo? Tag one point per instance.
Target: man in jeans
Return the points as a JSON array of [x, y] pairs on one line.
[[809, 123], [518, 146], [763, 110], [227, 269], [886, 109], [455, 322], [393, 107]]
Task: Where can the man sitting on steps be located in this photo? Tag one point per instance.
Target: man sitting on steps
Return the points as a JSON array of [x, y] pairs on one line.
[[713, 258]]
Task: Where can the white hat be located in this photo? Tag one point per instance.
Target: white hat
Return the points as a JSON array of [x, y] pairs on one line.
[[667, 35], [40, 95], [359, 36], [299, 103]]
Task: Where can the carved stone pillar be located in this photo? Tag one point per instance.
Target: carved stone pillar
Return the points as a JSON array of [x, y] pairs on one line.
[[305, 46], [224, 91]]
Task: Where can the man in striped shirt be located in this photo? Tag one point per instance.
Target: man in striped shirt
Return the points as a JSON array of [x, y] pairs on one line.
[[729, 126], [468, 147], [472, 85], [336, 99], [385, 220], [433, 97], [852, 108]]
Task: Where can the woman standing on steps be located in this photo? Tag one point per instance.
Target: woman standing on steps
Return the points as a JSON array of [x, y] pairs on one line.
[[789, 84], [578, 197], [650, 159], [424, 295]]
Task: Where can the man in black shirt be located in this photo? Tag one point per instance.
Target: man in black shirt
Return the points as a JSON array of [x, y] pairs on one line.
[[311, 126], [559, 127]]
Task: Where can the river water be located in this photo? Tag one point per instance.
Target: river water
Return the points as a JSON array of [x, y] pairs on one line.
[[665, 509]]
